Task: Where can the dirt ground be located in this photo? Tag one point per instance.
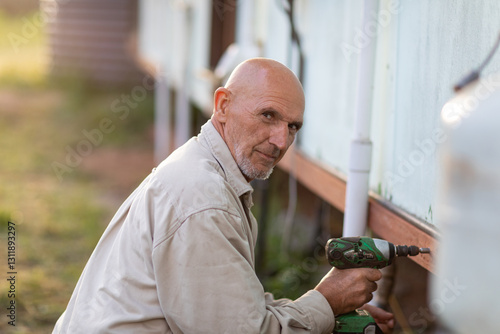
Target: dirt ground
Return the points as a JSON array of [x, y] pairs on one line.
[[118, 171]]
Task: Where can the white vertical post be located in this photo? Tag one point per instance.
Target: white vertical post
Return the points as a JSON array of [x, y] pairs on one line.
[[182, 116], [356, 208], [162, 117], [182, 108]]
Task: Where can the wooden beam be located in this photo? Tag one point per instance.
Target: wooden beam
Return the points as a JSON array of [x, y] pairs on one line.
[[399, 228], [324, 182], [384, 219]]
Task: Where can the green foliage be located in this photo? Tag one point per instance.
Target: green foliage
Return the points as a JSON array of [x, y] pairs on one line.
[[285, 273]]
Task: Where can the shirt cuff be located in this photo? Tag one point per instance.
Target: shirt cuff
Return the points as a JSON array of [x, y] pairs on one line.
[[319, 311]]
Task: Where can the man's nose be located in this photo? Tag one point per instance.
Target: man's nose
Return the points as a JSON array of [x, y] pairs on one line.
[[279, 136]]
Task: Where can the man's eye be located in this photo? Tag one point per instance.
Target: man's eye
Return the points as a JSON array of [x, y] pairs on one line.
[[267, 115], [293, 127]]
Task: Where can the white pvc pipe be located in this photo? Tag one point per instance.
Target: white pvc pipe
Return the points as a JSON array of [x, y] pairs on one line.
[[182, 108], [244, 29], [162, 117], [356, 205], [183, 117]]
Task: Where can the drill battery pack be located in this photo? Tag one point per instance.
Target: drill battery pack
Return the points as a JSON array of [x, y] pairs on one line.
[[356, 322]]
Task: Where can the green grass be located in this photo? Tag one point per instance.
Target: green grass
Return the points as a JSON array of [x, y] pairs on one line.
[[57, 223]]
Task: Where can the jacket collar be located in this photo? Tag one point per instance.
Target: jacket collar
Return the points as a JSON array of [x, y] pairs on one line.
[[210, 137]]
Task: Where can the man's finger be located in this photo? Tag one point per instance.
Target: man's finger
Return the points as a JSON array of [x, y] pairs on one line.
[[373, 286], [373, 275]]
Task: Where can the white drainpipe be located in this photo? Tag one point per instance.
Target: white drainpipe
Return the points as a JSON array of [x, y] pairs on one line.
[[244, 30], [162, 116], [356, 205], [182, 108]]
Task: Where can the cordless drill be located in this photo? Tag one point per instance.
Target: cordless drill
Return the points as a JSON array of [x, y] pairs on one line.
[[363, 252]]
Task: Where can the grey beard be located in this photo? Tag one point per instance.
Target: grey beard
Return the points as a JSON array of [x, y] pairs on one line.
[[248, 169]]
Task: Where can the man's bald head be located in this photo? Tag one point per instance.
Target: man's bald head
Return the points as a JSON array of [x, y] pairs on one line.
[[263, 73], [258, 113]]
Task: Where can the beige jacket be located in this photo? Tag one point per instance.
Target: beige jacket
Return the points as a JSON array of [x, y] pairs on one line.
[[178, 257]]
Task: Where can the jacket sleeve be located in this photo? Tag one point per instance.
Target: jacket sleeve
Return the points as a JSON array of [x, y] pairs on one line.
[[207, 284]]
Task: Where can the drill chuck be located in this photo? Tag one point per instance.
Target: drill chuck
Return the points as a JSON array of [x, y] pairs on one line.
[[410, 250]]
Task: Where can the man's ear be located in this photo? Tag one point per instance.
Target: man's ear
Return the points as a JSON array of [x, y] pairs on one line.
[[221, 102]]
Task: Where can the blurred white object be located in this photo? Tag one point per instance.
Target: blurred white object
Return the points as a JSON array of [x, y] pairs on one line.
[[465, 290]]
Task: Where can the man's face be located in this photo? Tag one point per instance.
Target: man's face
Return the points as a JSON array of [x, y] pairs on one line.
[[260, 128]]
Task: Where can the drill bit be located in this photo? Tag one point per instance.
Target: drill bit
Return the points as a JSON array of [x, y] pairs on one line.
[[403, 250]]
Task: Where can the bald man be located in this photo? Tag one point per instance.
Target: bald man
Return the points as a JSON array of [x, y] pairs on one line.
[[178, 256]]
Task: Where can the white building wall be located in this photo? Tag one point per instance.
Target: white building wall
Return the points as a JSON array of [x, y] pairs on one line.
[[423, 48], [154, 30], [175, 35], [329, 81], [436, 43]]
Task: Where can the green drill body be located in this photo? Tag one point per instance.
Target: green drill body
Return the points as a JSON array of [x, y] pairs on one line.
[[360, 252], [363, 252]]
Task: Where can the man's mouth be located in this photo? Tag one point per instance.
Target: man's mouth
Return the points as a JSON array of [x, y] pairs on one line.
[[270, 156]]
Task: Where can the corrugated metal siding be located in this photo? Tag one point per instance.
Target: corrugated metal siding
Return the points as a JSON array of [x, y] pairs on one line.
[[93, 38]]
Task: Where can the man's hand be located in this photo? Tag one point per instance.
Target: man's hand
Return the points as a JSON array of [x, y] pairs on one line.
[[384, 319], [348, 289]]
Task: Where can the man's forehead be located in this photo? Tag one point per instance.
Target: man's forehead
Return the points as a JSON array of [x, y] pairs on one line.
[[258, 72]]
